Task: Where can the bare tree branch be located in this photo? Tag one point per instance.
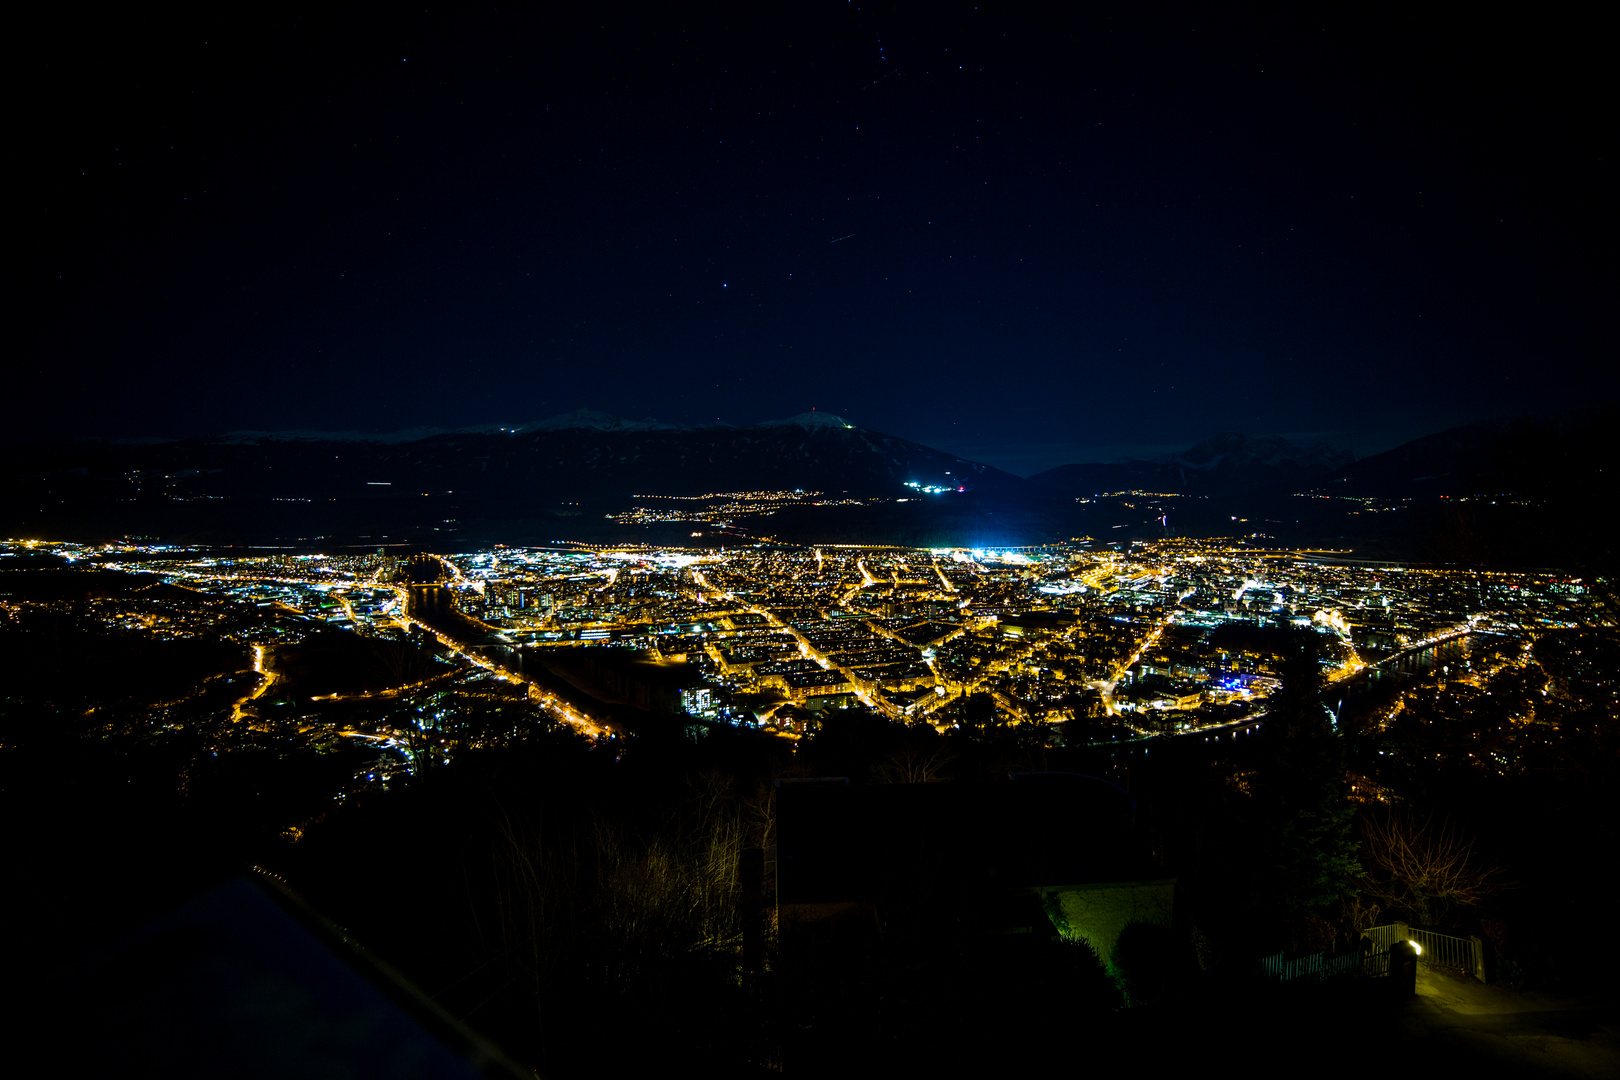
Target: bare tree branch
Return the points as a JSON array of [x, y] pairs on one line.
[[1424, 867]]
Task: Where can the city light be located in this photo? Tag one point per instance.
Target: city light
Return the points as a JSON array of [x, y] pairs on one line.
[[1142, 640]]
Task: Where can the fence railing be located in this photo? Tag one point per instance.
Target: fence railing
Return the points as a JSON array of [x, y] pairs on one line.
[[1316, 966], [1465, 955], [1382, 937], [1461, 954]]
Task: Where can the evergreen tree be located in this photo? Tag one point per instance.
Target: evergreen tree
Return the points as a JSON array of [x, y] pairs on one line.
[[1307, 854]]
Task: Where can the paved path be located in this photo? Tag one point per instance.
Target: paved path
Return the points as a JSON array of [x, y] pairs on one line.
[[1460, 1021]]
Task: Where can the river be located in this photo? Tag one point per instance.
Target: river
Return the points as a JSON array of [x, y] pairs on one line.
[[1376, 687]]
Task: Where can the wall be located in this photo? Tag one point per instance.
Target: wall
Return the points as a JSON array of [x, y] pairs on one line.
[[1096, 913]]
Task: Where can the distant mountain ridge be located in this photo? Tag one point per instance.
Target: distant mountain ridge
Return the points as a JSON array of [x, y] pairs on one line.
[[579, 455], [1226, 463], [568, 476], [1457, 461], [579, 419]]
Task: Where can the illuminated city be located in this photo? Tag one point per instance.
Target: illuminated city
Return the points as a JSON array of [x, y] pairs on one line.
[[826, 540], [1266, 690], [1082, 647]]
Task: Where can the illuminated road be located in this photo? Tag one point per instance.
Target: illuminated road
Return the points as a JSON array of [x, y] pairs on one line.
[[552, 704], [268, 678], [807, 650]]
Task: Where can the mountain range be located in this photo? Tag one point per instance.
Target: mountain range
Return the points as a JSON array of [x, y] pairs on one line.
[[581, 455], [1226, 463], [562, 476]]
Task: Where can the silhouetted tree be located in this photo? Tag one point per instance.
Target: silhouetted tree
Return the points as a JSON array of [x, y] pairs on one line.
[[398, 662], [1307, 849], [922, 756], [979, 714]]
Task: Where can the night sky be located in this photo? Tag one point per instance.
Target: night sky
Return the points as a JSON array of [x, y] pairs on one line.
[[1023, 240]]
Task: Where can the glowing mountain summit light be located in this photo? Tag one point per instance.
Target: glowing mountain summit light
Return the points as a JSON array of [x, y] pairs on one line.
[[811, 420]]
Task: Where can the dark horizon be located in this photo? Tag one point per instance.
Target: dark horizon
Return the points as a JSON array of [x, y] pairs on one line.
[[1024, 458]]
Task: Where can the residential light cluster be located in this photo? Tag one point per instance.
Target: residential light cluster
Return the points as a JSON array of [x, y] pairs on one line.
[[1131, 641]]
